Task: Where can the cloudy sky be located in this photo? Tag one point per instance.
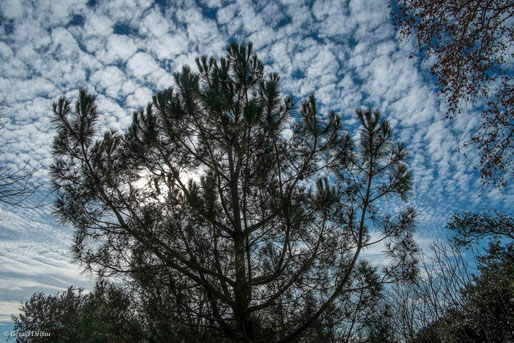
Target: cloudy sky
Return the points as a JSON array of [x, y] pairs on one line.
[[346, 52]]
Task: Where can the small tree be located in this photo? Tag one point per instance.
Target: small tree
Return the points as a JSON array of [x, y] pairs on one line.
[[471, 43], [448, 303], [104, 315], [252, 219], [420, 307], [484, 312]]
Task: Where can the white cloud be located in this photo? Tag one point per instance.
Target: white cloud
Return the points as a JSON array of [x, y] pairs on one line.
[[119, 48], [35, 256], [11, 9], [99, 24], [168, 46], [323, 63], [251, 21], [139, 98], [7, 308], [212, 3], [262, 38], [141, 65], [226, 14], [108, 80], [113, 116], [154, 24]]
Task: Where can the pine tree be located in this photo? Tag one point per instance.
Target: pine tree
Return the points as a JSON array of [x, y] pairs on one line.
[[242, 217]]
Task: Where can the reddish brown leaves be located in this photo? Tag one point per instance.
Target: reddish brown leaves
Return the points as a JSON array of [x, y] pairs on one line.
[[472, 43]]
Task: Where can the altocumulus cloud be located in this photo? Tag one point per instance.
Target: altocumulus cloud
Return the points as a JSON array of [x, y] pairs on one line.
[[345, 52]]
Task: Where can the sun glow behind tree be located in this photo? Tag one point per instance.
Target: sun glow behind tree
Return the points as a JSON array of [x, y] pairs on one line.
[[271, 228]]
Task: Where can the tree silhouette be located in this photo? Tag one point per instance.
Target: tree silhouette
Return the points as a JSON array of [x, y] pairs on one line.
[[469, 227], [452, 304], [249, 216]]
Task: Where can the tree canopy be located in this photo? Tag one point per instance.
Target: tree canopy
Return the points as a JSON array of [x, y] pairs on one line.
[[232, 211], [470, 227], [471, 44]]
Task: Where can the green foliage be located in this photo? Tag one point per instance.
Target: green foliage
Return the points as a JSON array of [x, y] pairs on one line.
[[449, 304], [485, 306], [488, 305], [103, 315], [490, 301], [471, 227]]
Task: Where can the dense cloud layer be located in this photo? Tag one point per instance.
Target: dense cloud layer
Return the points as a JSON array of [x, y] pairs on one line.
[[345, 52]]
